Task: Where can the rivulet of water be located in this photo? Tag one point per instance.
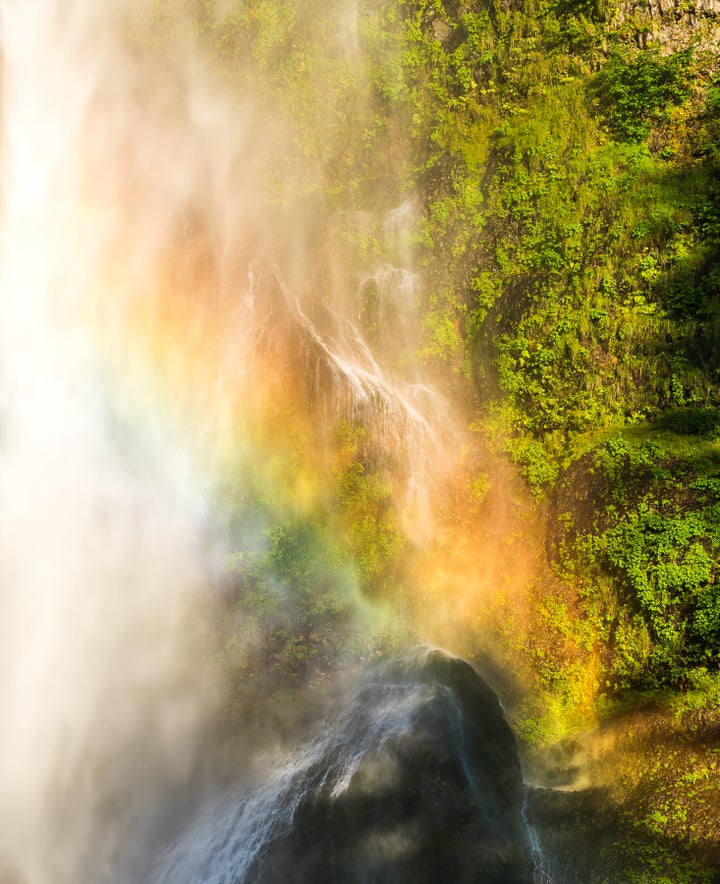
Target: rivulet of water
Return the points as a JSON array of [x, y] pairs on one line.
[[233, 835]]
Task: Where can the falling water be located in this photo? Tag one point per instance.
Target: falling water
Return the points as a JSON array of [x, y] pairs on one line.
[[187, 321], [229, 842], [400, 740]]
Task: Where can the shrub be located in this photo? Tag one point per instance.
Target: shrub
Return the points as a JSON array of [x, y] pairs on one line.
[[636, 91]]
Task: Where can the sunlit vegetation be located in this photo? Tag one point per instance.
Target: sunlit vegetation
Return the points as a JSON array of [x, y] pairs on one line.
[[570, 175], [568, 170]]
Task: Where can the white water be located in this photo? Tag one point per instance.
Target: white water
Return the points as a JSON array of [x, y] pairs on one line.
[[410, 426], [101, 554], [541, 872], [227, 843]]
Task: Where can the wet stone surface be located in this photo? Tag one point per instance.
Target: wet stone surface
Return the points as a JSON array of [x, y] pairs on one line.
[[439, 801]]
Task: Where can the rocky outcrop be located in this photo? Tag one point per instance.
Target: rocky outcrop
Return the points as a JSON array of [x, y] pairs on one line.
[[439, 802], [413, 778], [673, 24]]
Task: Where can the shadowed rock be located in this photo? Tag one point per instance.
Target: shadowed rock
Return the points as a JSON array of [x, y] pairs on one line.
[[439, 802], [413, 778]]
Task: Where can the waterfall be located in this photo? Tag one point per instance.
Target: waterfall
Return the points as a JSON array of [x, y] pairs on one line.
[[220, 447]]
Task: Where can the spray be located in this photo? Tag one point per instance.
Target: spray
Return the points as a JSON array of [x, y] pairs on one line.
[[194, 299]]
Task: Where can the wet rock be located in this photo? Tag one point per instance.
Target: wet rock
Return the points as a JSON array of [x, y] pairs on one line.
[[441, 801]]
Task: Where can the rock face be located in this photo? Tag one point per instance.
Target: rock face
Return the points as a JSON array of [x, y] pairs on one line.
[[438, 801], [414, 778], [673, 24]]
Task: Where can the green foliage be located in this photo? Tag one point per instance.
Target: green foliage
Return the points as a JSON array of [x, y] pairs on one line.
[[367, 520], [569, 203], [570, 241], [537, 469], [295, 594], [576, 256], [299, 578], [653, 528], [637, 89], [703, 422]]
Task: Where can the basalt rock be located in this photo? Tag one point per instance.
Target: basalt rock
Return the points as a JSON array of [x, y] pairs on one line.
[[441, 801], [412, 778]]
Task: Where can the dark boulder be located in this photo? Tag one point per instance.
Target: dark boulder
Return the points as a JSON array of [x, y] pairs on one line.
[[434, 798]]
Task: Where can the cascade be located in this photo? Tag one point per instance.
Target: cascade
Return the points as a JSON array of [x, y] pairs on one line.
[[199, 356], [413, 778]]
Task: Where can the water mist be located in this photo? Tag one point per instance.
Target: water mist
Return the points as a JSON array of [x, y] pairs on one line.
[[194, 338], [103, 686]]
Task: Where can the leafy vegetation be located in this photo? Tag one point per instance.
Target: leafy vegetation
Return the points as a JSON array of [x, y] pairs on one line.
[[640, 91], [649, 523], [568, 169], [569, 161]]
